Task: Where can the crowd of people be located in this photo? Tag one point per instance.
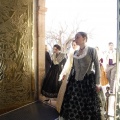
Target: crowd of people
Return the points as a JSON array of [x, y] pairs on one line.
[[75, 81]]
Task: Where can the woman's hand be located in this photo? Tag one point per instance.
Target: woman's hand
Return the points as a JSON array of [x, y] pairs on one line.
[[64, 76], [98, 88]]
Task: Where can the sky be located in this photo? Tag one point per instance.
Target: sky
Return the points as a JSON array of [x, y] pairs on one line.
[[96, 17]]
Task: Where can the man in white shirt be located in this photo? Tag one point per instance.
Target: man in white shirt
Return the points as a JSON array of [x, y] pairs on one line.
[[111, 65]]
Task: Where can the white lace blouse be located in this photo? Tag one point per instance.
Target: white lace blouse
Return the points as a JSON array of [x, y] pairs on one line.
[[83, 64]]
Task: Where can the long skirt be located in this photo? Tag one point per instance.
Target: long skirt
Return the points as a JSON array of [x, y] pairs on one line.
[[81, 101], [61, 95], [103, 80], [51, 85]]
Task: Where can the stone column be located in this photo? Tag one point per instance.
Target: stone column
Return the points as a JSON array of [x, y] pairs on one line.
[[41, 43]]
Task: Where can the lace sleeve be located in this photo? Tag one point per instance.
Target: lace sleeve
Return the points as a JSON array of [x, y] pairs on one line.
[[68, 65]]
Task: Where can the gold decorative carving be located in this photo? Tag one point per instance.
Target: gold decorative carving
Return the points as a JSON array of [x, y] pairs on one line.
[[16, 47]]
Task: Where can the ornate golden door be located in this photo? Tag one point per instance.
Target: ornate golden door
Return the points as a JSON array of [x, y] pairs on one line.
[[17, 76]]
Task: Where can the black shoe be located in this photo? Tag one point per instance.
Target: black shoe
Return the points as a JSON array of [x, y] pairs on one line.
[[48, 101]]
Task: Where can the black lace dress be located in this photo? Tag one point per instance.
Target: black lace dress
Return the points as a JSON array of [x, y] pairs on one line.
[[51, 85]]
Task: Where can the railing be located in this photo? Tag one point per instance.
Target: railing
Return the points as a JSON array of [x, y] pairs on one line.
[[107, 105], [107, 94]]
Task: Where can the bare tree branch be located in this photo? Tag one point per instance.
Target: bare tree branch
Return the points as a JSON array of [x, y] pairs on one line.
[[64, 35]]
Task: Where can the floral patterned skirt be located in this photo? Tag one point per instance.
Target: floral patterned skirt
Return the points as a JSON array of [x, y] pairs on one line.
[[81, 101]]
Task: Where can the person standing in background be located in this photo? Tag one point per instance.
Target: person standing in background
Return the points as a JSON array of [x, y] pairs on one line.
[[111, 66], [103, 78], [51, 85]]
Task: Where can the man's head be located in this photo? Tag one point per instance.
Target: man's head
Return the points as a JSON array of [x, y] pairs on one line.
[[111, 46]]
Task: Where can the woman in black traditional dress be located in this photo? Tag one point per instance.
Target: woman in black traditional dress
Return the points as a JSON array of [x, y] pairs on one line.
[[47, 60], [81, 101], [51, 84]]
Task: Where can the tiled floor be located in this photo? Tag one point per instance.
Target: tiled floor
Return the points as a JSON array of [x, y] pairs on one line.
[[34, 111]]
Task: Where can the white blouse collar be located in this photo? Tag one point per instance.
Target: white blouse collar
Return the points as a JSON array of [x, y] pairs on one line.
[[81, 56]]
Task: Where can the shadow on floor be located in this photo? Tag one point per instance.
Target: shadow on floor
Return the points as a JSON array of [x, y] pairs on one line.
[[34, 111]]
